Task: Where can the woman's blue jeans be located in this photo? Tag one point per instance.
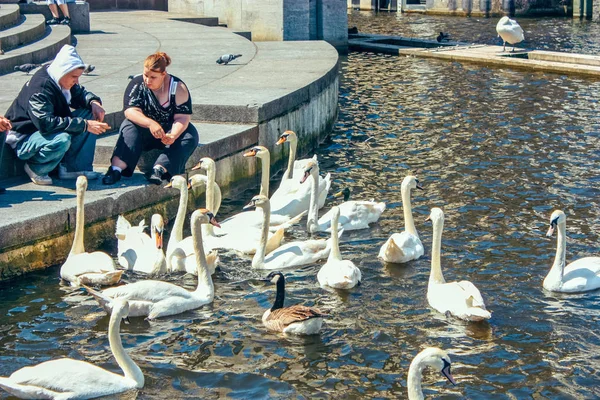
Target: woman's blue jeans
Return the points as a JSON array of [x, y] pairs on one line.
[[43, 153]]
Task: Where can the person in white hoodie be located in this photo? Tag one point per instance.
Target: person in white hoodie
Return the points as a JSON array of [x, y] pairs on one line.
[[55, 121]]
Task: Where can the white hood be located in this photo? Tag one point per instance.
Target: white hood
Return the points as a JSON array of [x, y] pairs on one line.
[[66, 61]]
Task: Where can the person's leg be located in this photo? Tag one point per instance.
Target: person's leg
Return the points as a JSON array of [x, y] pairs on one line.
[[54, 10], [127, 152], [3, 136], [43, 152], [174, 158], [65, 11], [80, 156]]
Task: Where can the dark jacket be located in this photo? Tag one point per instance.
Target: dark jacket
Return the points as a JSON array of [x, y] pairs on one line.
[[41, 106]]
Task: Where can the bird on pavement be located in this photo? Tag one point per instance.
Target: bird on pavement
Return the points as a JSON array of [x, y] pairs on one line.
[[27, 68], [442, 36], [227, 58], [88, 68], [510, 31]]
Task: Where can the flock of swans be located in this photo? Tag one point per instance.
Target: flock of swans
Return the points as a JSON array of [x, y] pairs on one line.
[[258, 233]]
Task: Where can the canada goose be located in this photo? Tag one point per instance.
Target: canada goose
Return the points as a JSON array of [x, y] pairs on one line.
[[296, 319], [579, 276]]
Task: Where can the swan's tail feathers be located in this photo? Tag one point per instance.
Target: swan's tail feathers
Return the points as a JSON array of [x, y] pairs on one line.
[[479, 314], [109, 278], [275, 240], [287, 225], [122, 226], [104, 301], [212, 259], [29, 391], [390, 251]]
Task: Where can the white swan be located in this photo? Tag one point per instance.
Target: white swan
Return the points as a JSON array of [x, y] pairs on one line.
[[180, 253], [292, 254], [156, 299], [460, 299], [139, 252], [338, 273], [405, 246], [254, 219], [293, 196], [510, 31], [296, 319], [353, 214], [430, 357], [579, 276], [245, 239], [95, 268], [74, 379]]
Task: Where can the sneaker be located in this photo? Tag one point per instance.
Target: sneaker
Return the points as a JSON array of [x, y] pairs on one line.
[[53, 21], [37, 179], [66, 21], [111, 177], [64, 174], [157, 175]]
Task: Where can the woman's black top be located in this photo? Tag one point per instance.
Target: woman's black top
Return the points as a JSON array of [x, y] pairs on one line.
[[139, 95]]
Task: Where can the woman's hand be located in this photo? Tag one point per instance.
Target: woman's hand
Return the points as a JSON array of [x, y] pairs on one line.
[[97, 127], [4, 124], [156, 130], [169, 139], [97, 111]]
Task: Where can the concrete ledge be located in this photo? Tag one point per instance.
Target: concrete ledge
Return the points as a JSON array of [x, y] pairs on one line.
[[9, 15], [31, 28], [79, 12], [157, 5]]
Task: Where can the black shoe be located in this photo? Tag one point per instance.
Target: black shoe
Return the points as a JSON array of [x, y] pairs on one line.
[[157, 175], [53, 21], [66, 21], [111, 177]]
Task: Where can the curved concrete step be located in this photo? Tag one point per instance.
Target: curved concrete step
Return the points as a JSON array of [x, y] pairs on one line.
[[9, 15], [37, 52], [31, 28]]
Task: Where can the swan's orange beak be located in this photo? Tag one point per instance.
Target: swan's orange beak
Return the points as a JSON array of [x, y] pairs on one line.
[[551, 230], [197, 166], [251, 153], [305, 176], [213, 221], [281, 140], [159, 238], [419, 186]]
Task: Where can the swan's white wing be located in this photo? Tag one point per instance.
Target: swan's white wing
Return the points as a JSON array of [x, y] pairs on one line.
[[339, 274], [460, 299], [82, 379], [298, 253], [401, 247], [353, 215], [148, 290], [472, 295], [582, 275]]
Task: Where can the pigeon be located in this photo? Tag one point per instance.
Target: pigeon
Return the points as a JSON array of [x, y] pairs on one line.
[[227, 58], [442, 36], [88, 68], [27, 68], [510, 31]]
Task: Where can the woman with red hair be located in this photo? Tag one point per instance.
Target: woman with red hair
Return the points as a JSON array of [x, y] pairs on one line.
[[158, 109]]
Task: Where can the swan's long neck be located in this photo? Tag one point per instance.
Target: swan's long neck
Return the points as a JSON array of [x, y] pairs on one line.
[[78, 246], [335, 254], [265, 161], [409, 222], [210, 197], [292, 157], [204, 279], [557, 270], [415, 375], [259, 258], [312, 223], [436, 275], [129, 367], [177, 233], [280, 296]]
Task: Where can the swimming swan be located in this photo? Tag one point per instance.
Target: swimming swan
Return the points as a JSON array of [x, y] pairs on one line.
[[291, 254], [353, 214], [139, 252], [95, 268], [296, 319], [156, 299], [579, 276], [510, 31], [405, 246], [338, 273], [430, 357], [66, 378], [460, 299]]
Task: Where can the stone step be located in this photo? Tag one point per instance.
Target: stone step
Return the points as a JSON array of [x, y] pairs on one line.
[[37, 52], [9, 15], [78, 10], [31, 28]]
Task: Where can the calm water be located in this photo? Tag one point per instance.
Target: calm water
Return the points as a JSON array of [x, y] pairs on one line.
[[497, 149]]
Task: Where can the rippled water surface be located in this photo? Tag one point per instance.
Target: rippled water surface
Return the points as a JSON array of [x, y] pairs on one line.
[[497, 149]]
